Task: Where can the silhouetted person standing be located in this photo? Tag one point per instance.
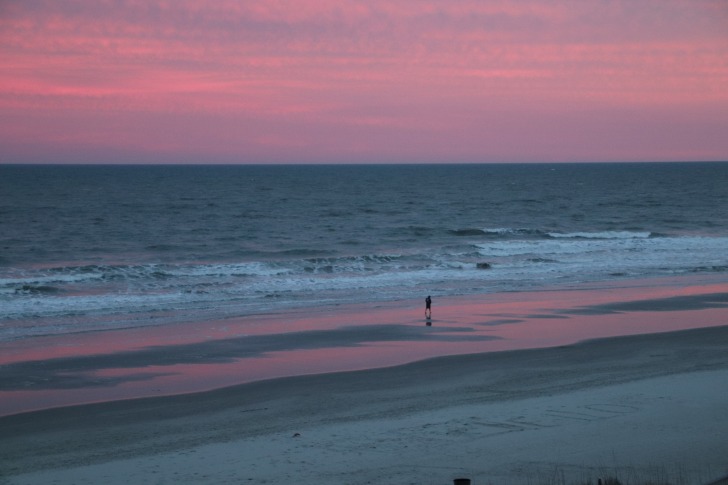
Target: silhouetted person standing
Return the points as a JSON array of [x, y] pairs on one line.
[[428, 307]]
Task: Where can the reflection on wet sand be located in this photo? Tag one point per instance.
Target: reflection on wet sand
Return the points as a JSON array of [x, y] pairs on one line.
[[57, 371]]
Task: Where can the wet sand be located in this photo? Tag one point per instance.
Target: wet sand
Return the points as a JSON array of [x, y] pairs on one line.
[[54, 371], [639, 407]]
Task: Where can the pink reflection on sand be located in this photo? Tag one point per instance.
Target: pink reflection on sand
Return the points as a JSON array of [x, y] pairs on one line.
[[107, 342], [509, 321]]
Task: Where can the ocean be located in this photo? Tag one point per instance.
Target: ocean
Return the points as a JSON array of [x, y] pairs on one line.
[[89, 248]]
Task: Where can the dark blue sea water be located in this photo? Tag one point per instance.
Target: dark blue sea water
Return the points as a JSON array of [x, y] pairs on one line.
[[95, 247]]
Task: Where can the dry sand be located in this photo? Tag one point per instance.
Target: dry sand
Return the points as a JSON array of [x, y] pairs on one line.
[[639, 407]]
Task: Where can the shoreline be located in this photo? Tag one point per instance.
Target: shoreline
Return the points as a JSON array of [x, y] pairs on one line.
[[144, 362], [577, 383], [461, 406]]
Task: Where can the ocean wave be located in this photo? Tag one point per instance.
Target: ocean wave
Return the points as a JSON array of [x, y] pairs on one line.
[[535, 233], [515, 232], [418, 231], [110, 274], [506, 232], [17, 281], [467, 232], [181, 275], [601, 235], [717, 268], [38, 289], [590, 251], [541, 260], [300, 252], [222, 289], [370, 263]]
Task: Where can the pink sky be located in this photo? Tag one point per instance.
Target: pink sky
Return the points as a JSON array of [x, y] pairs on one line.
[[288, 81]]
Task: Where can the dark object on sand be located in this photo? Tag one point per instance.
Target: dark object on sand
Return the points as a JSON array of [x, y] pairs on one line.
[[461, 481]]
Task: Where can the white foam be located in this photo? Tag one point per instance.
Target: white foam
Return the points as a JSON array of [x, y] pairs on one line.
[[136, 292], [39, 279], [602, 235], [253, 268]]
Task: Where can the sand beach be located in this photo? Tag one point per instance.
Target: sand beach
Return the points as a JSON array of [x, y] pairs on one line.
[[646, 405], [220, 223]]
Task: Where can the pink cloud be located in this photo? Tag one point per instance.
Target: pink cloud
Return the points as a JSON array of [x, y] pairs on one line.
[[334, 80]]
